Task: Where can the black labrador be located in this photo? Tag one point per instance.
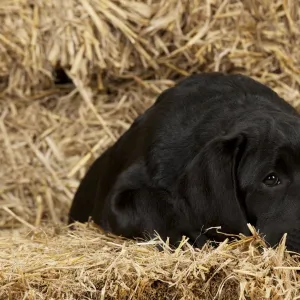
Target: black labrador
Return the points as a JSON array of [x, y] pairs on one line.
[[214, 150]]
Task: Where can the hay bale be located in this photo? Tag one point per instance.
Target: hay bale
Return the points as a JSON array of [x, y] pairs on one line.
[[97, 40], [54, 263]]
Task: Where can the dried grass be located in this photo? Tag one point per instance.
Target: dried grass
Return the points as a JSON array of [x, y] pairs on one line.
[[100, 40], [54, 263], [120, 56], [49, 142]]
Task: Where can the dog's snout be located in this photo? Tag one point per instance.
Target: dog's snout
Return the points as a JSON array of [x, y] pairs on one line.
[[293, 239], [274, 232]]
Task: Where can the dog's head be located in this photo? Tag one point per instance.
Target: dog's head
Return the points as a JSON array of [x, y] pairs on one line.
[[250, 175]]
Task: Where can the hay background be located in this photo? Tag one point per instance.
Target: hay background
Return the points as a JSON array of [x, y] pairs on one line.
[[120, 55]]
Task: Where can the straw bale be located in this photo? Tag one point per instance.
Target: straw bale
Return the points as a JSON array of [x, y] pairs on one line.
[[97, 40], [55, 263]]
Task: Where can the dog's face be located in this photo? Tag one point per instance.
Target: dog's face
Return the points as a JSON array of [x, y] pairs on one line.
[[250, 175], [268, 177]]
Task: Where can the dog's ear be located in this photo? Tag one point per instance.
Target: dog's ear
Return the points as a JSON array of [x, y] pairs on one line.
[[211, 185], [133, 208], [120, 207]]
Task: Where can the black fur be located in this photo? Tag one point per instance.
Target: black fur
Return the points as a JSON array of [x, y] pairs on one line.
[[197, 159]]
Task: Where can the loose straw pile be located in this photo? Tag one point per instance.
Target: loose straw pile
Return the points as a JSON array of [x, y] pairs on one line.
[[54, 263]]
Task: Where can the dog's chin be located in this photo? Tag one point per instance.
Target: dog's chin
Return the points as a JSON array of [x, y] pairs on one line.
[[293, 240]]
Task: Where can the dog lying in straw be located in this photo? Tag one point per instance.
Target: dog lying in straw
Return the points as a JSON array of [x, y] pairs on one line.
[[214, 150]]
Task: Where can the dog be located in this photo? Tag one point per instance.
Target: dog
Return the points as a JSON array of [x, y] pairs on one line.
[[213, 150]]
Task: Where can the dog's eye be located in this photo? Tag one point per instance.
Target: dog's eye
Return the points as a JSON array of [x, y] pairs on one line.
[[271, 180]]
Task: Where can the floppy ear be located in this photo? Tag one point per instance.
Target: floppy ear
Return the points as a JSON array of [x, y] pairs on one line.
[[211, 185], [133, 208]]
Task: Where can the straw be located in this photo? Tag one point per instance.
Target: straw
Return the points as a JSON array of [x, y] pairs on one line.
[[119, 55]]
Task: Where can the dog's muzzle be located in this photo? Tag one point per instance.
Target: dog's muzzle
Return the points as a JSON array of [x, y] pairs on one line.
[[293, 240]]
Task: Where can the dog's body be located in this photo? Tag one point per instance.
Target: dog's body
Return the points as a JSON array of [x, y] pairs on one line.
[[214, 150]]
